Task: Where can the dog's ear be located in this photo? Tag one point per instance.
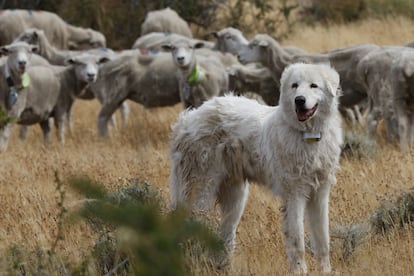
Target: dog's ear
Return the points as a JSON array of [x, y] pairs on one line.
[[331, 80]]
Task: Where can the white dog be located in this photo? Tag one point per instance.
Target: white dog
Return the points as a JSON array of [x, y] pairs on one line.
[[292, 149]]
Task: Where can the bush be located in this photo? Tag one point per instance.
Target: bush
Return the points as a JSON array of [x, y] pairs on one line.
[[138, 237]]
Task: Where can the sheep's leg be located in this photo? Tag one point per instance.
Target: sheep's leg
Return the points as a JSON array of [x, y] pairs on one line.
[[124, 109], [293, 230], [68, 121], [45, 126], [411, 129], [23, 132], [104, 116], [4, 136], [318, 219], [60, 126], [373, 118]]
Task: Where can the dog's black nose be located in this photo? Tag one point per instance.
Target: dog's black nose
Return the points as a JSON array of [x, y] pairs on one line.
[[300, 100]]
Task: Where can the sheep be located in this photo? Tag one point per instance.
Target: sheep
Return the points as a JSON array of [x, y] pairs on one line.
[[146, 79], [14, 82], [58, 57], [51, 93], [54, 55], [200, 78], [165, 21], [374, 72], [248, 78], [60, 34], [264, 49], [229, 40], [256, 79], [402, 97], [153, 41]]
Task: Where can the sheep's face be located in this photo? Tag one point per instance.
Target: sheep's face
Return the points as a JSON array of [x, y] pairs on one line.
[[254, 51], [86, 67], [31, 36], [230, 40], [19, 54], [183, 52], [93, 40]]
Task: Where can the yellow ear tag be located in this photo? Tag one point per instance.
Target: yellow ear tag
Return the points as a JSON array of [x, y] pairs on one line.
[[25, 80]]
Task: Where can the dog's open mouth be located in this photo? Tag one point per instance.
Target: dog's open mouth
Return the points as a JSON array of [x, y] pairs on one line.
[[304, 114]]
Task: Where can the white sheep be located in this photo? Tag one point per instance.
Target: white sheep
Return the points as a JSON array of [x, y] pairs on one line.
[[200, 77], [264, 49], [374, 72], [153, 41], [54, 55], [59, 57], [14, 82], [402, 97], [165, 21], [140, 77], [229, 40], [49, 93], [61, 34]]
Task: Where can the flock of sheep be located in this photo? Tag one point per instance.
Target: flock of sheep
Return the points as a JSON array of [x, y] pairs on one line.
[[47, 64]]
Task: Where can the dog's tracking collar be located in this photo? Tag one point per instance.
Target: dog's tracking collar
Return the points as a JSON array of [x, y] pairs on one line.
[[312, 136], [196, 76]]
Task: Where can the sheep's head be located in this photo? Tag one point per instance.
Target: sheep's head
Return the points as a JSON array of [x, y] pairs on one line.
[[86, 66], [19, 54], [31, 36], [229, 40], [255, 50], [93, 39], [183, 52]]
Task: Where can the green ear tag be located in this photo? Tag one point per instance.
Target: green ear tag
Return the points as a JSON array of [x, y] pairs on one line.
[[25, 80]]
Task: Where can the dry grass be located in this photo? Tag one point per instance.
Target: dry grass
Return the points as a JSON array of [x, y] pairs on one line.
[[28, 196]]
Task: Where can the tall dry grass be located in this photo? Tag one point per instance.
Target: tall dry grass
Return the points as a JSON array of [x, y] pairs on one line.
[[28, 195]]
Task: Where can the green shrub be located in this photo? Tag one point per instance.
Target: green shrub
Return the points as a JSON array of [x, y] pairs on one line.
[[138, 236]]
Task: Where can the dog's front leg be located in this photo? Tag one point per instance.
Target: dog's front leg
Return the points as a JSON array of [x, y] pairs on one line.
[[318, 218], [293, 231]]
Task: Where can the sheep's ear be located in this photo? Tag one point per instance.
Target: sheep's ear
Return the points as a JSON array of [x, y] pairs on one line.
[[72, 45], [34, 48], [198, 45], [167, 47], [103, 60], [214, 33], [70, 61], [4, 51], [263, 43]]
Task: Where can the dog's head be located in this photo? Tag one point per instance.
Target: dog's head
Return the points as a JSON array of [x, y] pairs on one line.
[[308, 91]]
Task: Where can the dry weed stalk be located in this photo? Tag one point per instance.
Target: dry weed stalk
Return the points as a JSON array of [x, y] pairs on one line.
[[395, 214]]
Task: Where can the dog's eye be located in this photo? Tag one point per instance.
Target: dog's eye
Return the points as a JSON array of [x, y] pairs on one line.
[[313, 85], [294, 85]]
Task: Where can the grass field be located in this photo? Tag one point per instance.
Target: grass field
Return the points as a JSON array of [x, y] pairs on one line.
[[28, 194]]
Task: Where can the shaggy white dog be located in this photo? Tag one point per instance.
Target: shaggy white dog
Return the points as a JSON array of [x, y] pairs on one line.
[[293, 149]]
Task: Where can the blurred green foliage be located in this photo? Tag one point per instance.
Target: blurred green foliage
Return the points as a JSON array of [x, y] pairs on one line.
[[138, 237]]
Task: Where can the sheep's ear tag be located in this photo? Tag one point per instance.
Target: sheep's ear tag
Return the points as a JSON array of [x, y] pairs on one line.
[[25, 80], [312, 136]]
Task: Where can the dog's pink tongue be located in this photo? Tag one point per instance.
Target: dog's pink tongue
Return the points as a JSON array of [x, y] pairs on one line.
[[303, 115]]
